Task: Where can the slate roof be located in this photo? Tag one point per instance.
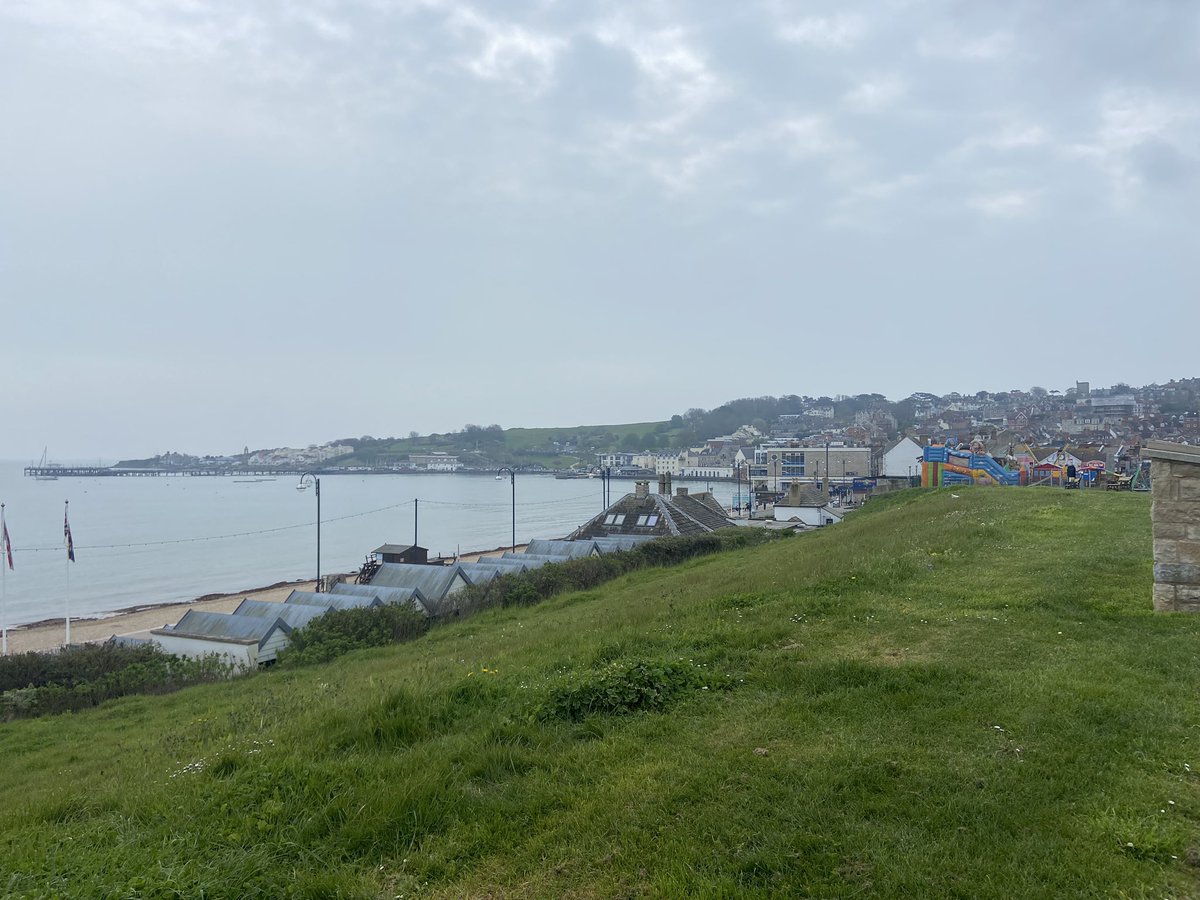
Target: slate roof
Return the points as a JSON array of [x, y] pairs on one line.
[[671, 515], [808, 497]]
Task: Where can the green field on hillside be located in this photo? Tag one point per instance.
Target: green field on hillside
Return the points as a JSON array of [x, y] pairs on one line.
[[952, 694], [523, 446]]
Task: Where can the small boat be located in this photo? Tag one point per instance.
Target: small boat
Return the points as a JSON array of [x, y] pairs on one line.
[[43, 466]]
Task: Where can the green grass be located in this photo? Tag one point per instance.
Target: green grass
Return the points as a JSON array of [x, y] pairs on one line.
[[524, 446], [942, 697]]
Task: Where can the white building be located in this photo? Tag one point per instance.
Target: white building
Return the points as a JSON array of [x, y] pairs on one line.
[[706, 472], [808, 507], [438, 461], [668, 464], [903, 460]]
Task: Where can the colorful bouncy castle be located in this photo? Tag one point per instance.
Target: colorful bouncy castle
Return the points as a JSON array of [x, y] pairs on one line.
[[942, 466]]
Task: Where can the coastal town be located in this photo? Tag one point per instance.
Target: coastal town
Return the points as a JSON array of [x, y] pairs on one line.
[[767, 443]]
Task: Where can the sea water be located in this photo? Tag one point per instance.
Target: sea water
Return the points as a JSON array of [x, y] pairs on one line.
[[141, 541]]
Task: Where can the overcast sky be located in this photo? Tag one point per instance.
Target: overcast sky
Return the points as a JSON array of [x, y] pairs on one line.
[[278, 223]]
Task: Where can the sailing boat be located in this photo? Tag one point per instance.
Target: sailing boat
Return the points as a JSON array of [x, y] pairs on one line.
[[43, 469]]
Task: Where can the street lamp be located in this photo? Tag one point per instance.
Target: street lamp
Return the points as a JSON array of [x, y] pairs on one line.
[[512, 480], [737, 502], [605, 473], [316, 482]]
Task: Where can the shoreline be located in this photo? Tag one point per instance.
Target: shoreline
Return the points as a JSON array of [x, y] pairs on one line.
[[48, 634]]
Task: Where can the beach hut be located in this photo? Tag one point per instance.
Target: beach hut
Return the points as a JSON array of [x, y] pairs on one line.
[[535, 560], [616, 543], [437, 584], [297, 615], [402, 553], [247, 641], [332, 600], [569, 549], [368, 593], [481, 574]]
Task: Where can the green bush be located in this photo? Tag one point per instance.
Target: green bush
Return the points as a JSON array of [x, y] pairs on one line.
[[80, 677], [618, 688], [340, 631], [535, 585]]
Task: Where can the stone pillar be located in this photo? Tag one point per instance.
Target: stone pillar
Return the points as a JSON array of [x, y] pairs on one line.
[[1175, 517]]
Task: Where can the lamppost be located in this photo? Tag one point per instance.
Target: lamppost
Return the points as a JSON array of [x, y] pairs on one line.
[[737, 502], [316, 482], [605, 473], [512, 480]]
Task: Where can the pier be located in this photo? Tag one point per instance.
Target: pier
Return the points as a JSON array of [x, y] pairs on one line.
[[45, 472]]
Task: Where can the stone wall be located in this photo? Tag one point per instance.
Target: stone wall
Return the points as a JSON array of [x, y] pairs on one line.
[[1175, 515]]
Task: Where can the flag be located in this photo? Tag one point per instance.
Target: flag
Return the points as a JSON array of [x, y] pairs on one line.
[[7, 542], [67, 538]]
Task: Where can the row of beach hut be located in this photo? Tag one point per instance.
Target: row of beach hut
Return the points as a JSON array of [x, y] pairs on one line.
[[254, 633]]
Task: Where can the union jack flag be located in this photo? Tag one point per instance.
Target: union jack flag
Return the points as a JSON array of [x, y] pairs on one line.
[[6, 540], [67, 537]]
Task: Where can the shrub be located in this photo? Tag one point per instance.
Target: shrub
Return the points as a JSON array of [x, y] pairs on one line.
[[79, 677], [340, 631], [535, 585], [620, 687]]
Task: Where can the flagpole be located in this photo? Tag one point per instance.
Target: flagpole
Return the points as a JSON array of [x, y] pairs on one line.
[[4, 585], [70, 553]]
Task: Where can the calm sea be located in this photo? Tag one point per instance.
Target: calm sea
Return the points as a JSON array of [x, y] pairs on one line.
[[142, 541]]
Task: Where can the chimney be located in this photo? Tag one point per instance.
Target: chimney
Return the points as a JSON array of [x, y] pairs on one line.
[[641, 489], [794, 493], [681, 492], [664, 484]]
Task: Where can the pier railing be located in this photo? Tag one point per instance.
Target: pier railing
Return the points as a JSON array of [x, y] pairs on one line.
[[148, 471]]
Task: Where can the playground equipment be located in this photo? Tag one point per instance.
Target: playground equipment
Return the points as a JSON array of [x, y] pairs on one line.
[[1141, 478], [942, 466]]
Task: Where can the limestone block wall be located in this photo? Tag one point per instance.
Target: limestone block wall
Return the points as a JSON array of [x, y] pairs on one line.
[[1175, 517]]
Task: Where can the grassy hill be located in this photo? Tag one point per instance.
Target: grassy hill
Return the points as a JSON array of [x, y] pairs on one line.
[[946, 696], [521, 446]]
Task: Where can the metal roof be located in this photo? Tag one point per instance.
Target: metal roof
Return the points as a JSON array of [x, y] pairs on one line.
[[479, 573], [516, 564], [572, 549], [434, 582], [333, 600], [225, 627], [536, 560], [386, 594], [610, 542], [295, 614]]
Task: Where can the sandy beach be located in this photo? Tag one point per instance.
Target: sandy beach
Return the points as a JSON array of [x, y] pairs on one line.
[[48, 635]]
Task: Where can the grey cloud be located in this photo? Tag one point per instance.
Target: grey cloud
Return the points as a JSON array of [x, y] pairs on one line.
[[256, 183]]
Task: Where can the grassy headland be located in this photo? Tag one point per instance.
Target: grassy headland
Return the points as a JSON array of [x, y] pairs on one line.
[[945, 696]]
